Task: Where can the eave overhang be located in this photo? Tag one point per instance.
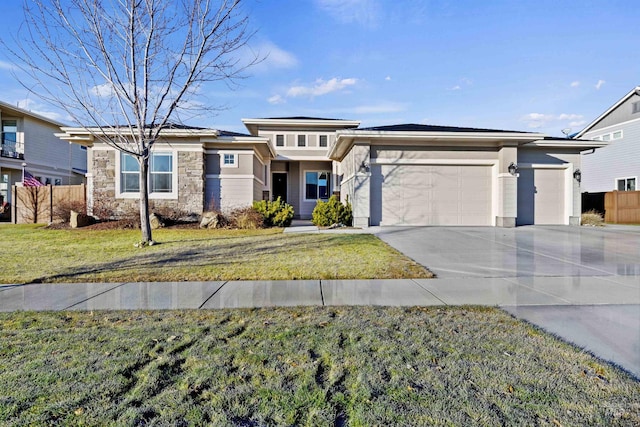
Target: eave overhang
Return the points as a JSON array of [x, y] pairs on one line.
[[253, 125]]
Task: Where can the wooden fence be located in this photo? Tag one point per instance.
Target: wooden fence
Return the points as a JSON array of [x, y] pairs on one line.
[[622, 207], [41, 205]]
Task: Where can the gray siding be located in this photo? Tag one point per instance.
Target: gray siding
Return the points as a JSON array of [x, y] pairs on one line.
[[620, 159], [619, 115]]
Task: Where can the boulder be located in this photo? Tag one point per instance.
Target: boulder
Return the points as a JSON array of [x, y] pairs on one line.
[[211, 220], [77, 219], [155, 221]]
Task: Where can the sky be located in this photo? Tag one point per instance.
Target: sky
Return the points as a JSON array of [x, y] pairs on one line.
[[539, 66]]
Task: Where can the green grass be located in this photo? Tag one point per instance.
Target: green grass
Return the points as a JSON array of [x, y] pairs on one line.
[[319, 366], [36, 254]]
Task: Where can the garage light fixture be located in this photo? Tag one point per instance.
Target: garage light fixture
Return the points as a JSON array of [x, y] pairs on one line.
[[577, 174], [364, 166], [513, 169]]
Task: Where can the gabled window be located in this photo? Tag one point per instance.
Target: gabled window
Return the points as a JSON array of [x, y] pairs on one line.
[[302, 140], [635, 107], [279, 140], [323, 141]]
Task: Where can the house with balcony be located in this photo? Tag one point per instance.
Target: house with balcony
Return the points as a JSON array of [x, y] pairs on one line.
[[28, 141]]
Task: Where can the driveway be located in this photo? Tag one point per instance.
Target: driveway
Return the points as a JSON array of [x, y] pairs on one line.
[[580, 283]]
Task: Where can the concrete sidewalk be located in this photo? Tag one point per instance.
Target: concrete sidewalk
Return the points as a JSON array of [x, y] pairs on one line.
[[600, 314]]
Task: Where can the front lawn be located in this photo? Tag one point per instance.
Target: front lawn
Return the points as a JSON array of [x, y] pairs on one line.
[[36, 254], [315, 366]]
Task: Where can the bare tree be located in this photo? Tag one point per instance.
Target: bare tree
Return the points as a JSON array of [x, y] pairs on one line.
[[127, 69]]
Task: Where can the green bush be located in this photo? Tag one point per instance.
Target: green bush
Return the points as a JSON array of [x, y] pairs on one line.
[[275, 213], [332, 212]]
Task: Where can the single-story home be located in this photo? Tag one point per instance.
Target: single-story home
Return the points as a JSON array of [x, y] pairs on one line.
[[407, 174]]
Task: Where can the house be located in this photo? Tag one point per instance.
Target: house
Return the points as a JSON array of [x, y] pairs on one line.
[[616, 166], [29, 141], [392, 175]]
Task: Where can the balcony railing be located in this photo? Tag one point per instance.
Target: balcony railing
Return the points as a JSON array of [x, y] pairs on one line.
[[12, 150]]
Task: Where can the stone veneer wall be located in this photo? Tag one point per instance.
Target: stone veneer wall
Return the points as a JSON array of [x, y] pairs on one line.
[[190, 185]]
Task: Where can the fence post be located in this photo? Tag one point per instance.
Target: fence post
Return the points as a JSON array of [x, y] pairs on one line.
[[14, 217], [50, 203]]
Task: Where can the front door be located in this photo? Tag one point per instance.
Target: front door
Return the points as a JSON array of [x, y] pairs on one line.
[[279, 184]]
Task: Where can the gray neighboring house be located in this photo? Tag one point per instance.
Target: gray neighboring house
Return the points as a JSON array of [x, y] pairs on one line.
[[30, 138], [393, 175], [616, 166]]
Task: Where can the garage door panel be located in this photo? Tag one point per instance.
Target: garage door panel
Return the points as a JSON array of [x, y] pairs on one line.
[[434, 195]]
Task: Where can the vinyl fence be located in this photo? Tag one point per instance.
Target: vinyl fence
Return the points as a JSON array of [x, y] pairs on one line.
[[622, 207], [42, 205]]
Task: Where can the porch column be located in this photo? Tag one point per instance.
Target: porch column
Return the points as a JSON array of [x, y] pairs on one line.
[[362, 185], [507, 203]]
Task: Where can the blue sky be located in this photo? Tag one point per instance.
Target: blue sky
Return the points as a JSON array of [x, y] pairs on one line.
[[520, 65]]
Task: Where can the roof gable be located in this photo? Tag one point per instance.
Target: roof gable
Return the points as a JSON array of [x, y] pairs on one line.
[[634, 92]]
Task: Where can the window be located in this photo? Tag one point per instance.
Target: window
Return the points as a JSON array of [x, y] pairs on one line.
[[323, 140], [10, 146], [616, 135], [606, 137], [229, 160], [129, 174], [635, 107], [609, 136], [58, 181], [316, 185], [302, 140], [279, 140], [626, 184], [160, 173]]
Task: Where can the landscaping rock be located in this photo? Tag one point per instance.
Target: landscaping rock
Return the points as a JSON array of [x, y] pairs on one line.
[[155, 221], [77, 219], [211, 220]]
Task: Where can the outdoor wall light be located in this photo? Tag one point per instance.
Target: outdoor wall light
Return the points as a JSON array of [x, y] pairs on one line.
[[513, 168], [364, 166], [577, 174]]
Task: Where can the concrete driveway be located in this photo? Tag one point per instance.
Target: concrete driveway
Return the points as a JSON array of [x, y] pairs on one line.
[[580, 283]]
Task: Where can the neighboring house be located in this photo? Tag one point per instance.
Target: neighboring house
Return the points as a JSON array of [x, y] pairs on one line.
[[392, 175], [30, 138], [616, 166]]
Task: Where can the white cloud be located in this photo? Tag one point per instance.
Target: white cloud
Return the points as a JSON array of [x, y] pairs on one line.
[[7, 66], [538, 120], [381, 108], [599, 84], [37, 108], [388, 78], [456, 87], [321, 87], [366, 13], [269, 57], [276, 99], [575, 84], [104, 90]]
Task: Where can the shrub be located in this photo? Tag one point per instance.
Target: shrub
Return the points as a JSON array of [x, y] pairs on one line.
[[62, 209], [275, 213], [332, 212], [592, 218], [246, 218]]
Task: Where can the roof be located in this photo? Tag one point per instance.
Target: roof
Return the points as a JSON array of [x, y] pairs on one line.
[[22, 112], [412, 127], [229, 133], [635, 90], [301, 118], [254, 125]]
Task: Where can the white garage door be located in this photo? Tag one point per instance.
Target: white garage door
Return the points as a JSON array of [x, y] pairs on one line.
[[431, 195], [541, 197]]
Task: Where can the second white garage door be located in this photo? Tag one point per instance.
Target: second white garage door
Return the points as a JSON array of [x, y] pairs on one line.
[[431, 195]]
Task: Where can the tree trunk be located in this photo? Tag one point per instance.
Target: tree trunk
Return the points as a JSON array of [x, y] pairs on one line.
[[145, 226]]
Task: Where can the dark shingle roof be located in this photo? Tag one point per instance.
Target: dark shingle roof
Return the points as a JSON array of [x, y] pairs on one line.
[[229, 133], [413, 127], [301, 118]]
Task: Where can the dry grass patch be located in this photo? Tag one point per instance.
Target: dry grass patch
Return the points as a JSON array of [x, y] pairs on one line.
[[195, 255], [592, 218], [313, 366]]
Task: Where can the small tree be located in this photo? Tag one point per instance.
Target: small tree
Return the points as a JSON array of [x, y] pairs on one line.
[[126, 69]]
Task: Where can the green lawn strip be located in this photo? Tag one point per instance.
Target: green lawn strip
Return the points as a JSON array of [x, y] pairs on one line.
[[321, 366], [37, 254]]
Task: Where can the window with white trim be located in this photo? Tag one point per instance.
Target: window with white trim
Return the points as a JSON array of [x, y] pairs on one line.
[[160, 173], [317, 185], [229, 160], [635, 107], [323, 141], [302, 140], [279, 140], [609, 136], [626, 184]]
